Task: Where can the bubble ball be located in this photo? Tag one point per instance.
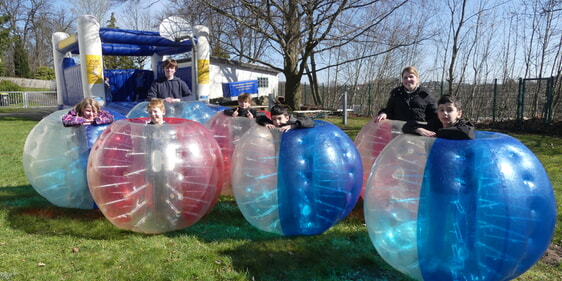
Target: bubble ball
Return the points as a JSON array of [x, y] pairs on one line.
[[55, 159], [439, 209], [191, 110], [371, 140], [228, 130], [155, 178], [301, 182]]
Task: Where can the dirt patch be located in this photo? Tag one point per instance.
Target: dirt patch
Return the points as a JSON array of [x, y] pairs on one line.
[[553, 255]]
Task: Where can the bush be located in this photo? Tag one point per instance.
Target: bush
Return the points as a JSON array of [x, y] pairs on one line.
[[45, 73], [10, 86]]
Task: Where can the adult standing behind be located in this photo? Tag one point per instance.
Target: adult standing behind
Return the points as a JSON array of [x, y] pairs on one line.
[[409, 102], [169, 87]]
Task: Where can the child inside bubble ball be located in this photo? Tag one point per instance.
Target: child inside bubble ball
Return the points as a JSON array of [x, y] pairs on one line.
[[448, 125], [87, 112], [156, 111], [243, 109], [283, 121]]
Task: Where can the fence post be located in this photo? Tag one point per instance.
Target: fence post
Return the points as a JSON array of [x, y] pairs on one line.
[[25, 99], [344, 112], [494, 103]]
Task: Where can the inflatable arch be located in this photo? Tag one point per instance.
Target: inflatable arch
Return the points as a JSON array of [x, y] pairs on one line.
[[92, 42]]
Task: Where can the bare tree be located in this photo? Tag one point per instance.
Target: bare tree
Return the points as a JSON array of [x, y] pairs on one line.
[[294, 30]]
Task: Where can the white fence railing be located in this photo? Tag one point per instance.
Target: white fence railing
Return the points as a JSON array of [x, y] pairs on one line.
[[28, 99]]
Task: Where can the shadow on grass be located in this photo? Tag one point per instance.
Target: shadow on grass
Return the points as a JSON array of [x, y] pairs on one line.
[[29, 212]]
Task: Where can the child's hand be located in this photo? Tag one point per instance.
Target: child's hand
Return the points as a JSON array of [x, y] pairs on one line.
[[285, 128], [249, 114], [270, 126], [235, 113], [425, 133]]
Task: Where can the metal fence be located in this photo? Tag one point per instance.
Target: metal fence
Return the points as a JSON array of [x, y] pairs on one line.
[[28, 99]]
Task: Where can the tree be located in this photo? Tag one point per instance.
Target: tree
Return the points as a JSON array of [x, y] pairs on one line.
[[21, 62], [117, 62], [295, 30]]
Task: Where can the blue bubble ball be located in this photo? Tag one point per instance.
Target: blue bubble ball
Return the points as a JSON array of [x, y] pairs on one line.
[[55, 160], [439, 209], [301, 182]]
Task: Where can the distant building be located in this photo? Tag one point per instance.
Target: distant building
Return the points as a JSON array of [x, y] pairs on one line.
[[230, 78]]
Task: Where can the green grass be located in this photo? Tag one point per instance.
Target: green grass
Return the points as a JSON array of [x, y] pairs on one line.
[[39, 241]]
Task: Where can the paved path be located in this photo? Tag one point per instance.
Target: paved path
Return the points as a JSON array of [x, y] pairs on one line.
[[35, 114]]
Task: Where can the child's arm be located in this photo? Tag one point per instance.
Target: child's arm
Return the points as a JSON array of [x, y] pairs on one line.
[[104, 117], [71, 119], [303, 122], [463, 130]]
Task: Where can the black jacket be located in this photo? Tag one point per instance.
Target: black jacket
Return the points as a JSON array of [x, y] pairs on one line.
[[419, 105], [299, 122], [175, 88], [461, 130]]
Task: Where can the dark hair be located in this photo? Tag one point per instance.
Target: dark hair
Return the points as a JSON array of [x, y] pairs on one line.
[[450, 99], [279, 109]]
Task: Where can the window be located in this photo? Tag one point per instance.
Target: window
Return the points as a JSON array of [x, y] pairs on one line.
[[263, 82]]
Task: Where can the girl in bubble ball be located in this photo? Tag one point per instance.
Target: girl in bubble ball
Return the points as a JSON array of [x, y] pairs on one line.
[[448, 125], [87, 112]]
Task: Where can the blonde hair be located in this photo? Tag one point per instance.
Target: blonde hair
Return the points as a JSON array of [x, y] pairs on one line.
[[157, 103], [79, 108], [410, 69]]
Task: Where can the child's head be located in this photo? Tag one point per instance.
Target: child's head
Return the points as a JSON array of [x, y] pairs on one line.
[[410, 78], [449, 110], [244, 100], [88, 108], [279, 115], [156, 111]]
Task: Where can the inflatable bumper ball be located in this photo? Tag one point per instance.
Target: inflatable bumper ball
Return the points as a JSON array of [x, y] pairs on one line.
[[301, 182], [55, 159], [190, 110], [155, 178], [371, 140], [439, 209], [227, 131]]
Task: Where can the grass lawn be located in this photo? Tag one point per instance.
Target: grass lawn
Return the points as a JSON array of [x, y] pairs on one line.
[[39, 241]]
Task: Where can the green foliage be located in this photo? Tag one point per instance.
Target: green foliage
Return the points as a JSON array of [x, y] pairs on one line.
[[10, 86], [45, 73], [21, 60], [4, 37]]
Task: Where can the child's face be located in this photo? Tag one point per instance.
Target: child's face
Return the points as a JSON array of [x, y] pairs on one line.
[[448, 114], [89, 112], [279, 120], [410, 81], [156, 115], [243, 104]]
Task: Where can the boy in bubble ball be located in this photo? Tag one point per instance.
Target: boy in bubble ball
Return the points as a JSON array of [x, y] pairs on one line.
[[283, 121], [448, 124], [87, 112], [156, 111], [243, 109]]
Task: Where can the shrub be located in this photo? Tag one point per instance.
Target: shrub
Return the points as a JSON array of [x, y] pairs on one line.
[[10, 86]]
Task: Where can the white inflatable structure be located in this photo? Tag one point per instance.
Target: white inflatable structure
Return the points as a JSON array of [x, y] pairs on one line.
[[92, 42]]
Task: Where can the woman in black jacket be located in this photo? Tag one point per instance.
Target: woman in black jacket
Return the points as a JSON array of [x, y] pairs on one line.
[[409, 102]]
